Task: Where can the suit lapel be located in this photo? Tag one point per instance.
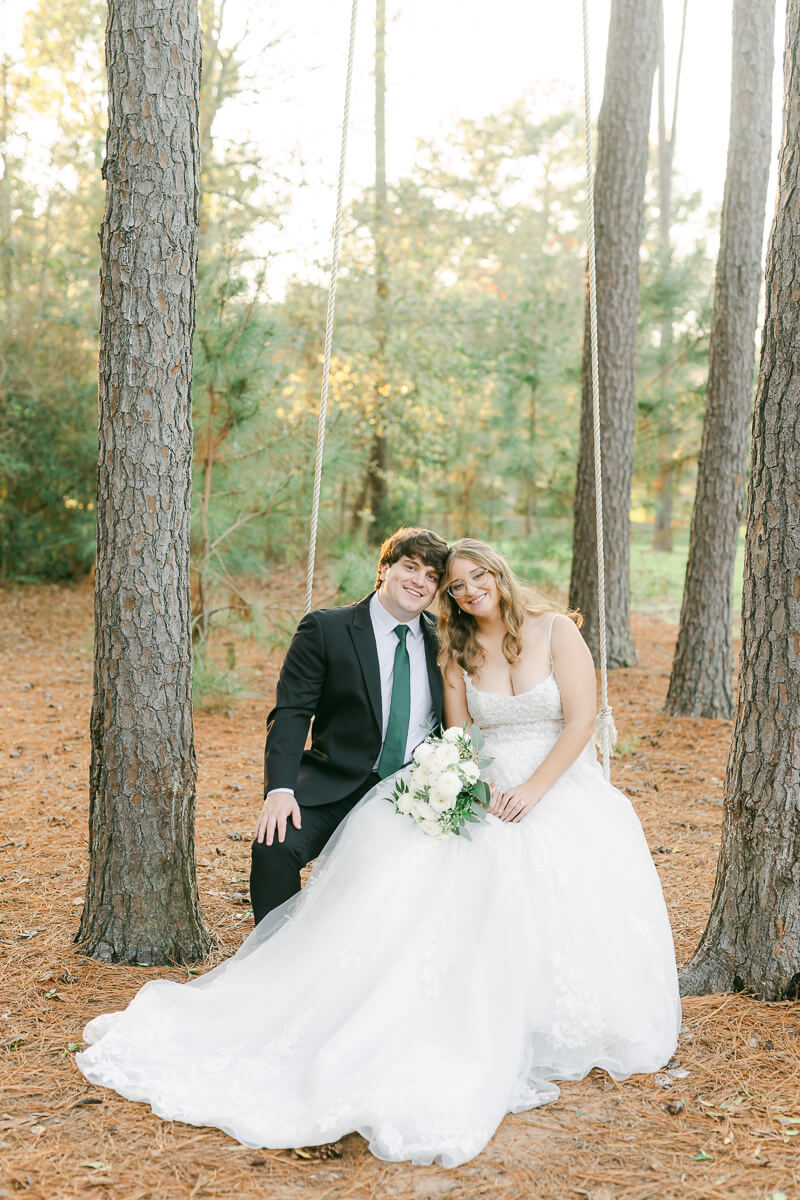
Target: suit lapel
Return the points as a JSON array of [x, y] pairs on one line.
[[434, 674], [363, 639]]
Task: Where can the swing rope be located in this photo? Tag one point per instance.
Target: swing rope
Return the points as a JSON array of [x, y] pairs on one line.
[[606, 734], [326, 366]]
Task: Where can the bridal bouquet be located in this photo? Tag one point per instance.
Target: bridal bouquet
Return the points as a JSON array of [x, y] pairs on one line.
[[443, 791]]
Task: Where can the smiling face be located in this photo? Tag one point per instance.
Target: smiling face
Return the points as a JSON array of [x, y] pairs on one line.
[[407, 587], [473, 588]]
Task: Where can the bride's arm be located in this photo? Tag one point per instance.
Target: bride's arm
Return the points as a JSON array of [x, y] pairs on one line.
[[455, 696], [574, 672]]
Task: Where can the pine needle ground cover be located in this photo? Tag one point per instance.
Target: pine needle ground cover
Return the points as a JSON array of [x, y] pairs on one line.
[[722, 1122]]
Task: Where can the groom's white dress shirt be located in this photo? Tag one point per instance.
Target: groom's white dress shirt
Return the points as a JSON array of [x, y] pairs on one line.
[[421, 716]]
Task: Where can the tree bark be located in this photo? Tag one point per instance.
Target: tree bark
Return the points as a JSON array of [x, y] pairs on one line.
[[374, 491], [6, 218], [701, 679], [141, 903], [622, 145], [379, 456], [752, 940], [665, 485]]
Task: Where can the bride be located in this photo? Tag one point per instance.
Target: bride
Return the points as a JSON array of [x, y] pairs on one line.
[[419, 989]]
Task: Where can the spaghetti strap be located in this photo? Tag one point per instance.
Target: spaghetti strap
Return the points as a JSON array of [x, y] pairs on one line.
[[549, 636]]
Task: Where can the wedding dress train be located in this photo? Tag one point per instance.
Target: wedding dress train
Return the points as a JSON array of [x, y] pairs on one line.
[[418, 989]]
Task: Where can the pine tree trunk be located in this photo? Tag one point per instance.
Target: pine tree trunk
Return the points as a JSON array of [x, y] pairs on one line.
[[141, 903], [622, 145], [379, 458], [701, 680], [6, 217], [665, 486], [752, 940]]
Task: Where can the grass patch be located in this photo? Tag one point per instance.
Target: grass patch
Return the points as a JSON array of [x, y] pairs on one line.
[[657, 576]]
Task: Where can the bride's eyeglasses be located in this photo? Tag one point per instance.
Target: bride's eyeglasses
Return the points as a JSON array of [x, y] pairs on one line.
[[459, 589]]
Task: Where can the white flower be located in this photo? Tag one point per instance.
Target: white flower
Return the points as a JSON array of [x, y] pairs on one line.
[[445, 789], [439, 801], [446, 754], [470, 771], [404, 802], [421, 777], [453, 733], [449, 784], [423, 752], [420, 809], [432, 828]]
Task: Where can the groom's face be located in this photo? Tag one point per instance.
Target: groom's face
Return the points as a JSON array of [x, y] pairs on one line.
[[407, 587]]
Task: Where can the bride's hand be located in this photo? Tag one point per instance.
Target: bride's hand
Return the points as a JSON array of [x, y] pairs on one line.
[[496, 802], [513, 804]]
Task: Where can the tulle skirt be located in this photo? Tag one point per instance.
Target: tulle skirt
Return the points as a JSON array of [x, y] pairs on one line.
[[419, 989]]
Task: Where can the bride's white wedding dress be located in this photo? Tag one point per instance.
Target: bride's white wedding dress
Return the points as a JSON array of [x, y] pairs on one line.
[[417, 990]]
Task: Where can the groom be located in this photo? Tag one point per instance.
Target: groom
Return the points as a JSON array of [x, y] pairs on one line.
[[366, 676]]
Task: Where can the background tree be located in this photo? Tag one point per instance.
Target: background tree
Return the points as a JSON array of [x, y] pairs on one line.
[[662, 529], [372, 501], [622, 147], [701, 678], [752, 940], [141, 902]]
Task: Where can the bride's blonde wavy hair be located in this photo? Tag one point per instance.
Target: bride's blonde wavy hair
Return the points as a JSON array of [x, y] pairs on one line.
[[458, 631]]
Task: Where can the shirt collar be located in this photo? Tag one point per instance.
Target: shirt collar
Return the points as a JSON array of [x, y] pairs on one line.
[[385, 623]]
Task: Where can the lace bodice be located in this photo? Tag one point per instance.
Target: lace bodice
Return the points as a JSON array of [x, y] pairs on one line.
[[519, 730]]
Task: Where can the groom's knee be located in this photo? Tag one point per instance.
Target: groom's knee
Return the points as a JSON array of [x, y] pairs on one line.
[[287, 855], [274, 874]]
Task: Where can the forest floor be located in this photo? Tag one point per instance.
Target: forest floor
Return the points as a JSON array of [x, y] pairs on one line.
[[721, 1127]]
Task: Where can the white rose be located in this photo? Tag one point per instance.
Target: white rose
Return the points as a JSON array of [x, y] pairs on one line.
[[446, 754], [420, 809], [423, 752], [421, 777], [404, 802], [448, 784], [439, 802], [470, 771], [453, 733], [412, 777], [432, 828]]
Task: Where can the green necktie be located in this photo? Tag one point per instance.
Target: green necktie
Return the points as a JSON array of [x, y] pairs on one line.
[[393, 754]]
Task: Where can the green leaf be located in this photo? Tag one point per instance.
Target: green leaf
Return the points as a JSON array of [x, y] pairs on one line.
[[477, 737], [484, 794], [701, 1156], [75, 1046]]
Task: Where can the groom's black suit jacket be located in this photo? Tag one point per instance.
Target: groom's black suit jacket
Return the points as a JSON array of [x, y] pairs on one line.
[[331, 677]]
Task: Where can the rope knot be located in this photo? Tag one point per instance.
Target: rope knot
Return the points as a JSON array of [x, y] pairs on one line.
[[605, 731]]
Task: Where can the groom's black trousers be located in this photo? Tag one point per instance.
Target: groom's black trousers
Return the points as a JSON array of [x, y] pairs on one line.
[[275, 870]]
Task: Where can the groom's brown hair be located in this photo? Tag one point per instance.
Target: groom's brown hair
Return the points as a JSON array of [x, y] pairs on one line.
[[414, 542]]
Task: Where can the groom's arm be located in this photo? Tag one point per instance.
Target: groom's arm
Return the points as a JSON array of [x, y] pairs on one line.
[[297, 694]]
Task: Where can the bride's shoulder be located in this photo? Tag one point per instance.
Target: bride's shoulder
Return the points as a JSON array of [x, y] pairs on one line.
[[557, 629], [538, 624]]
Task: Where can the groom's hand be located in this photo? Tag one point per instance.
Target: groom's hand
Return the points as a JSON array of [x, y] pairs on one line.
[[278, 807]]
